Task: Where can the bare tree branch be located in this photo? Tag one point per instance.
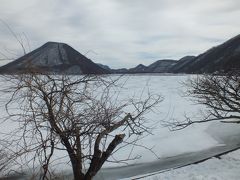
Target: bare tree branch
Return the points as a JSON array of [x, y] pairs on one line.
[[220, 94], [76, 114]]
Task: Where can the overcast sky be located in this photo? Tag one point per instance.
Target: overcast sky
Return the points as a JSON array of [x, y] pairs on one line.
[[122, 33]]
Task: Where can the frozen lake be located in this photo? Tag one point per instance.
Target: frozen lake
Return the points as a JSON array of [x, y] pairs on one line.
[[163, 142]]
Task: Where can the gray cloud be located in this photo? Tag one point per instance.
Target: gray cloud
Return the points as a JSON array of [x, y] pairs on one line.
[[123, 32]]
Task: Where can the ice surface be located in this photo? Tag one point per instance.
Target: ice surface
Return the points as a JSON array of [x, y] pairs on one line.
[[163, 142]]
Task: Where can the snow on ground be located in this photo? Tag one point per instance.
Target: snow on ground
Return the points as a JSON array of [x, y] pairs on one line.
[[163, 142], [226, 168]]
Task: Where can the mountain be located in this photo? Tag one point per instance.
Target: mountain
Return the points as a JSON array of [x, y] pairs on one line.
[[60, 58], [104, 66], [222, 58], [119, 71], [54, 57], [181, 63], [161, 66], [138, 69]]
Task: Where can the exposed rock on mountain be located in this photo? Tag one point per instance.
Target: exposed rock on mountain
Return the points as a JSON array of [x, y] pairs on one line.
[[54, 57]]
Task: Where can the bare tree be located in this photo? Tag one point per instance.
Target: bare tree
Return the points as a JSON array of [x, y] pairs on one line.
[[6, 54], [3, 160], [20, 39], [220, 94], [80, 115]]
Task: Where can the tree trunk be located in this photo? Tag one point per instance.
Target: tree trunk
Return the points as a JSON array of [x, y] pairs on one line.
[[99, 157], [88, 178], [78, 175]]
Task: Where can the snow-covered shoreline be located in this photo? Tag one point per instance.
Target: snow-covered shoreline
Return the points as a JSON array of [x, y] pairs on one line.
[[226, 142], [224, 168]]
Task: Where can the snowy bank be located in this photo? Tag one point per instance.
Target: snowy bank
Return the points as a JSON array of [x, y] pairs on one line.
[[226, 168]]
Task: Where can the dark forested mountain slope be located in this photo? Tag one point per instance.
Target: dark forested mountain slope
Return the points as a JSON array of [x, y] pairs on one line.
[[221, 58], [160, 66]]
